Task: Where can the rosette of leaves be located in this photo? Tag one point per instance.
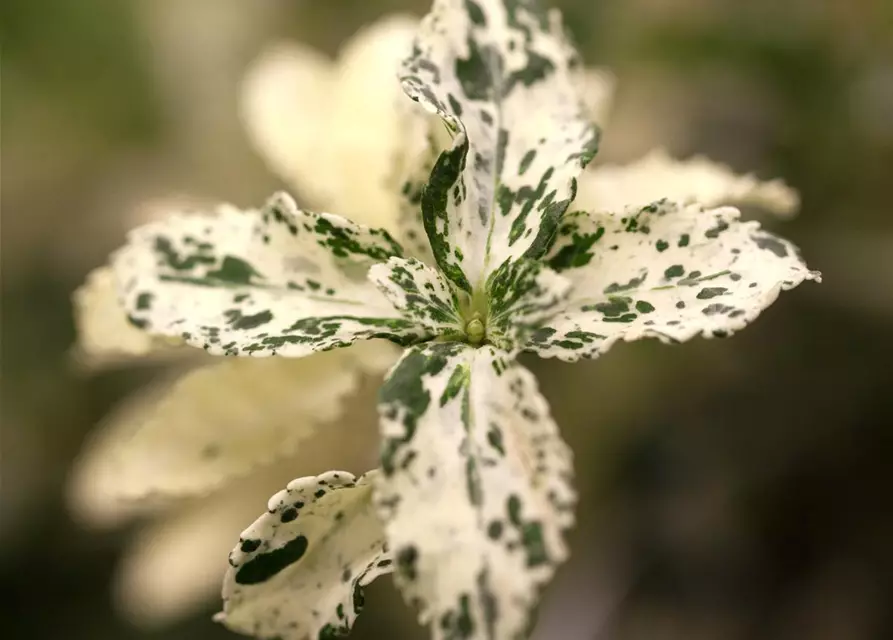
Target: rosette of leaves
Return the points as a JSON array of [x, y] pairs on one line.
[[474, 492]]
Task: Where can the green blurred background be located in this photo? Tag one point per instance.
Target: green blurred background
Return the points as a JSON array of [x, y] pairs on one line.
[[730, 489]]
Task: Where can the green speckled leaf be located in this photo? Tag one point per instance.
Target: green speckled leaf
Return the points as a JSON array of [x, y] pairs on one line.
[[501, 75], [299, 570], [666, 271], [420, 293], [522, 295], [475, 490], [278, 281]]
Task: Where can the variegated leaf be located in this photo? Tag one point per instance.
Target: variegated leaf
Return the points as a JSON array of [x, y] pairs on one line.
[[421, 294], [279, 281], [300, 569], [657, 175], [424, 139], [666, 271], [522, 295], [475, 490], [501, 75]]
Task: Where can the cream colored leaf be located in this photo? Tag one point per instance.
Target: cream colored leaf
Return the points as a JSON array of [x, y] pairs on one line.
[[106, 487], [105, 336], [285, 108], [93, 492], [175, 565], [332, 129], [217, 423], [368, 135], [657, 175]]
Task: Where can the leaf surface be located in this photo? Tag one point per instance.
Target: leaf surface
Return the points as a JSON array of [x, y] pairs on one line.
[[502, 76], [278, 281], [475, 490], [666, 271], [299, 570]]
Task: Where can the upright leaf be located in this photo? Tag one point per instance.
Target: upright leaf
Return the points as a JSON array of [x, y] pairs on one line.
[[329, 127], [299, 570], [279, 281], [501, 75], [475, 490]]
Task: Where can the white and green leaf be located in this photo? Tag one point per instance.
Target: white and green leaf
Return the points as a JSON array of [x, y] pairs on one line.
[[421, 294], [299, 570], [666, 271], [278, 281], [502, 76], [475, 490]]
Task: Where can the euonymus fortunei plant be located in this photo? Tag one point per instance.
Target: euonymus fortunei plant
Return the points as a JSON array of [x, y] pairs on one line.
[[474, 493]]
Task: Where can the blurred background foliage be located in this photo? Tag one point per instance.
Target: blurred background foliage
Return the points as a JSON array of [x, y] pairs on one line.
[[730, 489]]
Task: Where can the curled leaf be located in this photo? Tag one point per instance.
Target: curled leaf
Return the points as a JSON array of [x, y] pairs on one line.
[[299, 570]]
